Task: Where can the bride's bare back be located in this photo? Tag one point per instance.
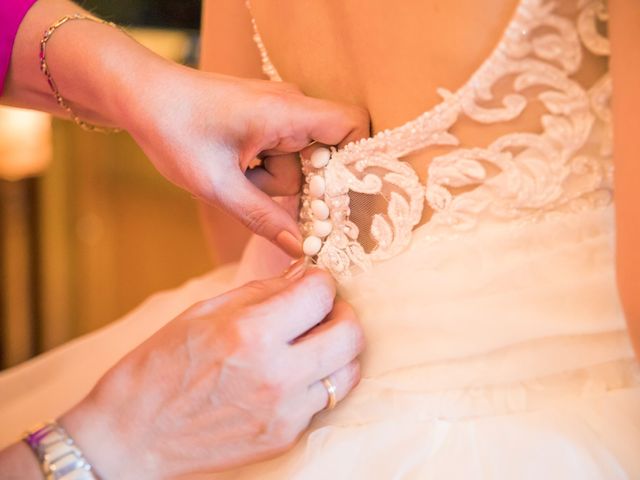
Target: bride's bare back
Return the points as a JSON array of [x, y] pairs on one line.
[[388, 57]]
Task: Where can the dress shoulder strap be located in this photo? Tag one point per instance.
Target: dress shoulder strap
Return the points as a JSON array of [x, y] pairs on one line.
[[267, 66]]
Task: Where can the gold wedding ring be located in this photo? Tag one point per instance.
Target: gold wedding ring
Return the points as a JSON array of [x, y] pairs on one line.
[[331, 391]]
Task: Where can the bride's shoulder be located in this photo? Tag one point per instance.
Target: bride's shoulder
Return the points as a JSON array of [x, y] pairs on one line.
[[625, 71]]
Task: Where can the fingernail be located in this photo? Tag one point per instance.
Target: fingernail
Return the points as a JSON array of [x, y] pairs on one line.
[[296, 269], [290, 244]]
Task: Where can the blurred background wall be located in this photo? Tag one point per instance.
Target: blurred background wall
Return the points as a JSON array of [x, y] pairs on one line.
[[88, 229]]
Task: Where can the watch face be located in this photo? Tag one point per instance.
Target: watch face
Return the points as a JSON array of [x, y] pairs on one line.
[[181, 14]]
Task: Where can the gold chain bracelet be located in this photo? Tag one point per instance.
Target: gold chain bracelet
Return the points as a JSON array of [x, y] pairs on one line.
[[44, 68]]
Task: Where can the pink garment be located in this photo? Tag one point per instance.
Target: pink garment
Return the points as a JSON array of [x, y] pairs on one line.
[[11, 15]]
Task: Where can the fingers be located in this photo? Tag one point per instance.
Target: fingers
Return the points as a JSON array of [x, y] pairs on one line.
[[259, 213], [344, 380], [300, 306], [335, 124], [288, 306], [280, 175], [251, 293], [315, 120], [331, 345]]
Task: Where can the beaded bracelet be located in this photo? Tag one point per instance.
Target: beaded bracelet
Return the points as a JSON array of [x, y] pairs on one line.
[[44, 68]]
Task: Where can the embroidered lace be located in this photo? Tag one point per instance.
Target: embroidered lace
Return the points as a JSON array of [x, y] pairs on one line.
[[562, 167]]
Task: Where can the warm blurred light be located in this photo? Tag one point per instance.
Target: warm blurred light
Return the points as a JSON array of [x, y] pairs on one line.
[[25, 143], [172, 44]]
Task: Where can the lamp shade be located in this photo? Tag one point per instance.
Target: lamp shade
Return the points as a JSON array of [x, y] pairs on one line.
[[25, 143]]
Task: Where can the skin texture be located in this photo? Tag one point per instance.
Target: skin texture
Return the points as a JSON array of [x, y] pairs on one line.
[[200, 130], [390, 58]]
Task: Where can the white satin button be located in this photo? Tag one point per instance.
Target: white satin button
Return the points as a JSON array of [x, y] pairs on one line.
[[311, 246], [320, 157], [322, 228], [317, 186]]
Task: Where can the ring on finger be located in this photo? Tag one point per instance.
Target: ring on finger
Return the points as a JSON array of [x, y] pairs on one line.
[[331, 391]]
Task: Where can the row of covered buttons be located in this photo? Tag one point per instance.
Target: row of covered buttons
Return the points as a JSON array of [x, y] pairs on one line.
[[321, 224]]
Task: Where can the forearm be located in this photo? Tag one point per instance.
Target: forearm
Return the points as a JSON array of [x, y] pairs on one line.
[[625, 69], [18, 462], [98, 69]]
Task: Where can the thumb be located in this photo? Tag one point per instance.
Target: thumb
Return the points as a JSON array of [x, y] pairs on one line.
[[260, 213]]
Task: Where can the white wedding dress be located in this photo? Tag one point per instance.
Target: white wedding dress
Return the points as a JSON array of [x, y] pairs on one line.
[[497, 348]]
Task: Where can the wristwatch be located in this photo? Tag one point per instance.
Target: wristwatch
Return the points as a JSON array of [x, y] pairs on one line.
[[59, 457]]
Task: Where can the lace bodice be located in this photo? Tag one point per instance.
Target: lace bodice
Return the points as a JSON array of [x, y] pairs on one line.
[[561, 167]]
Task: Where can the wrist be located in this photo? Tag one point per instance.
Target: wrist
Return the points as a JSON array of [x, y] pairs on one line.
[[18, 461], [94, 431], [108, 78], [145, 98], [98, 69]]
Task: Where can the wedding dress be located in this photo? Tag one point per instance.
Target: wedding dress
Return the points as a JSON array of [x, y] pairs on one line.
[[496, 345]]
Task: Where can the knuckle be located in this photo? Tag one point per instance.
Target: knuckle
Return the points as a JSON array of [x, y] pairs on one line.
[[361, 115], [259, 338], [249, 336], [353, 333], [321, 285], [355, 374], [283, 439], [198, 308], [275, 383], [257, 219], [286, 433], [273, 390], [241, 333], [322, 276], [360, 122], [346, 310], [204, 307], [275, 100], [256, 288], [291, 87]]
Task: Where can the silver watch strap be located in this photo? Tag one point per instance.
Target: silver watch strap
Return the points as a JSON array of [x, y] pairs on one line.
[[59, 457]]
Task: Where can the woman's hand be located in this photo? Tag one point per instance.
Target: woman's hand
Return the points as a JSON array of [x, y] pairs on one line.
[[231, 381], [200, 130], [203, 131]]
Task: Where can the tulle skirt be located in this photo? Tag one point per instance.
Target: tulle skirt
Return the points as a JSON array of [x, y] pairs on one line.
[[497, 354]]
